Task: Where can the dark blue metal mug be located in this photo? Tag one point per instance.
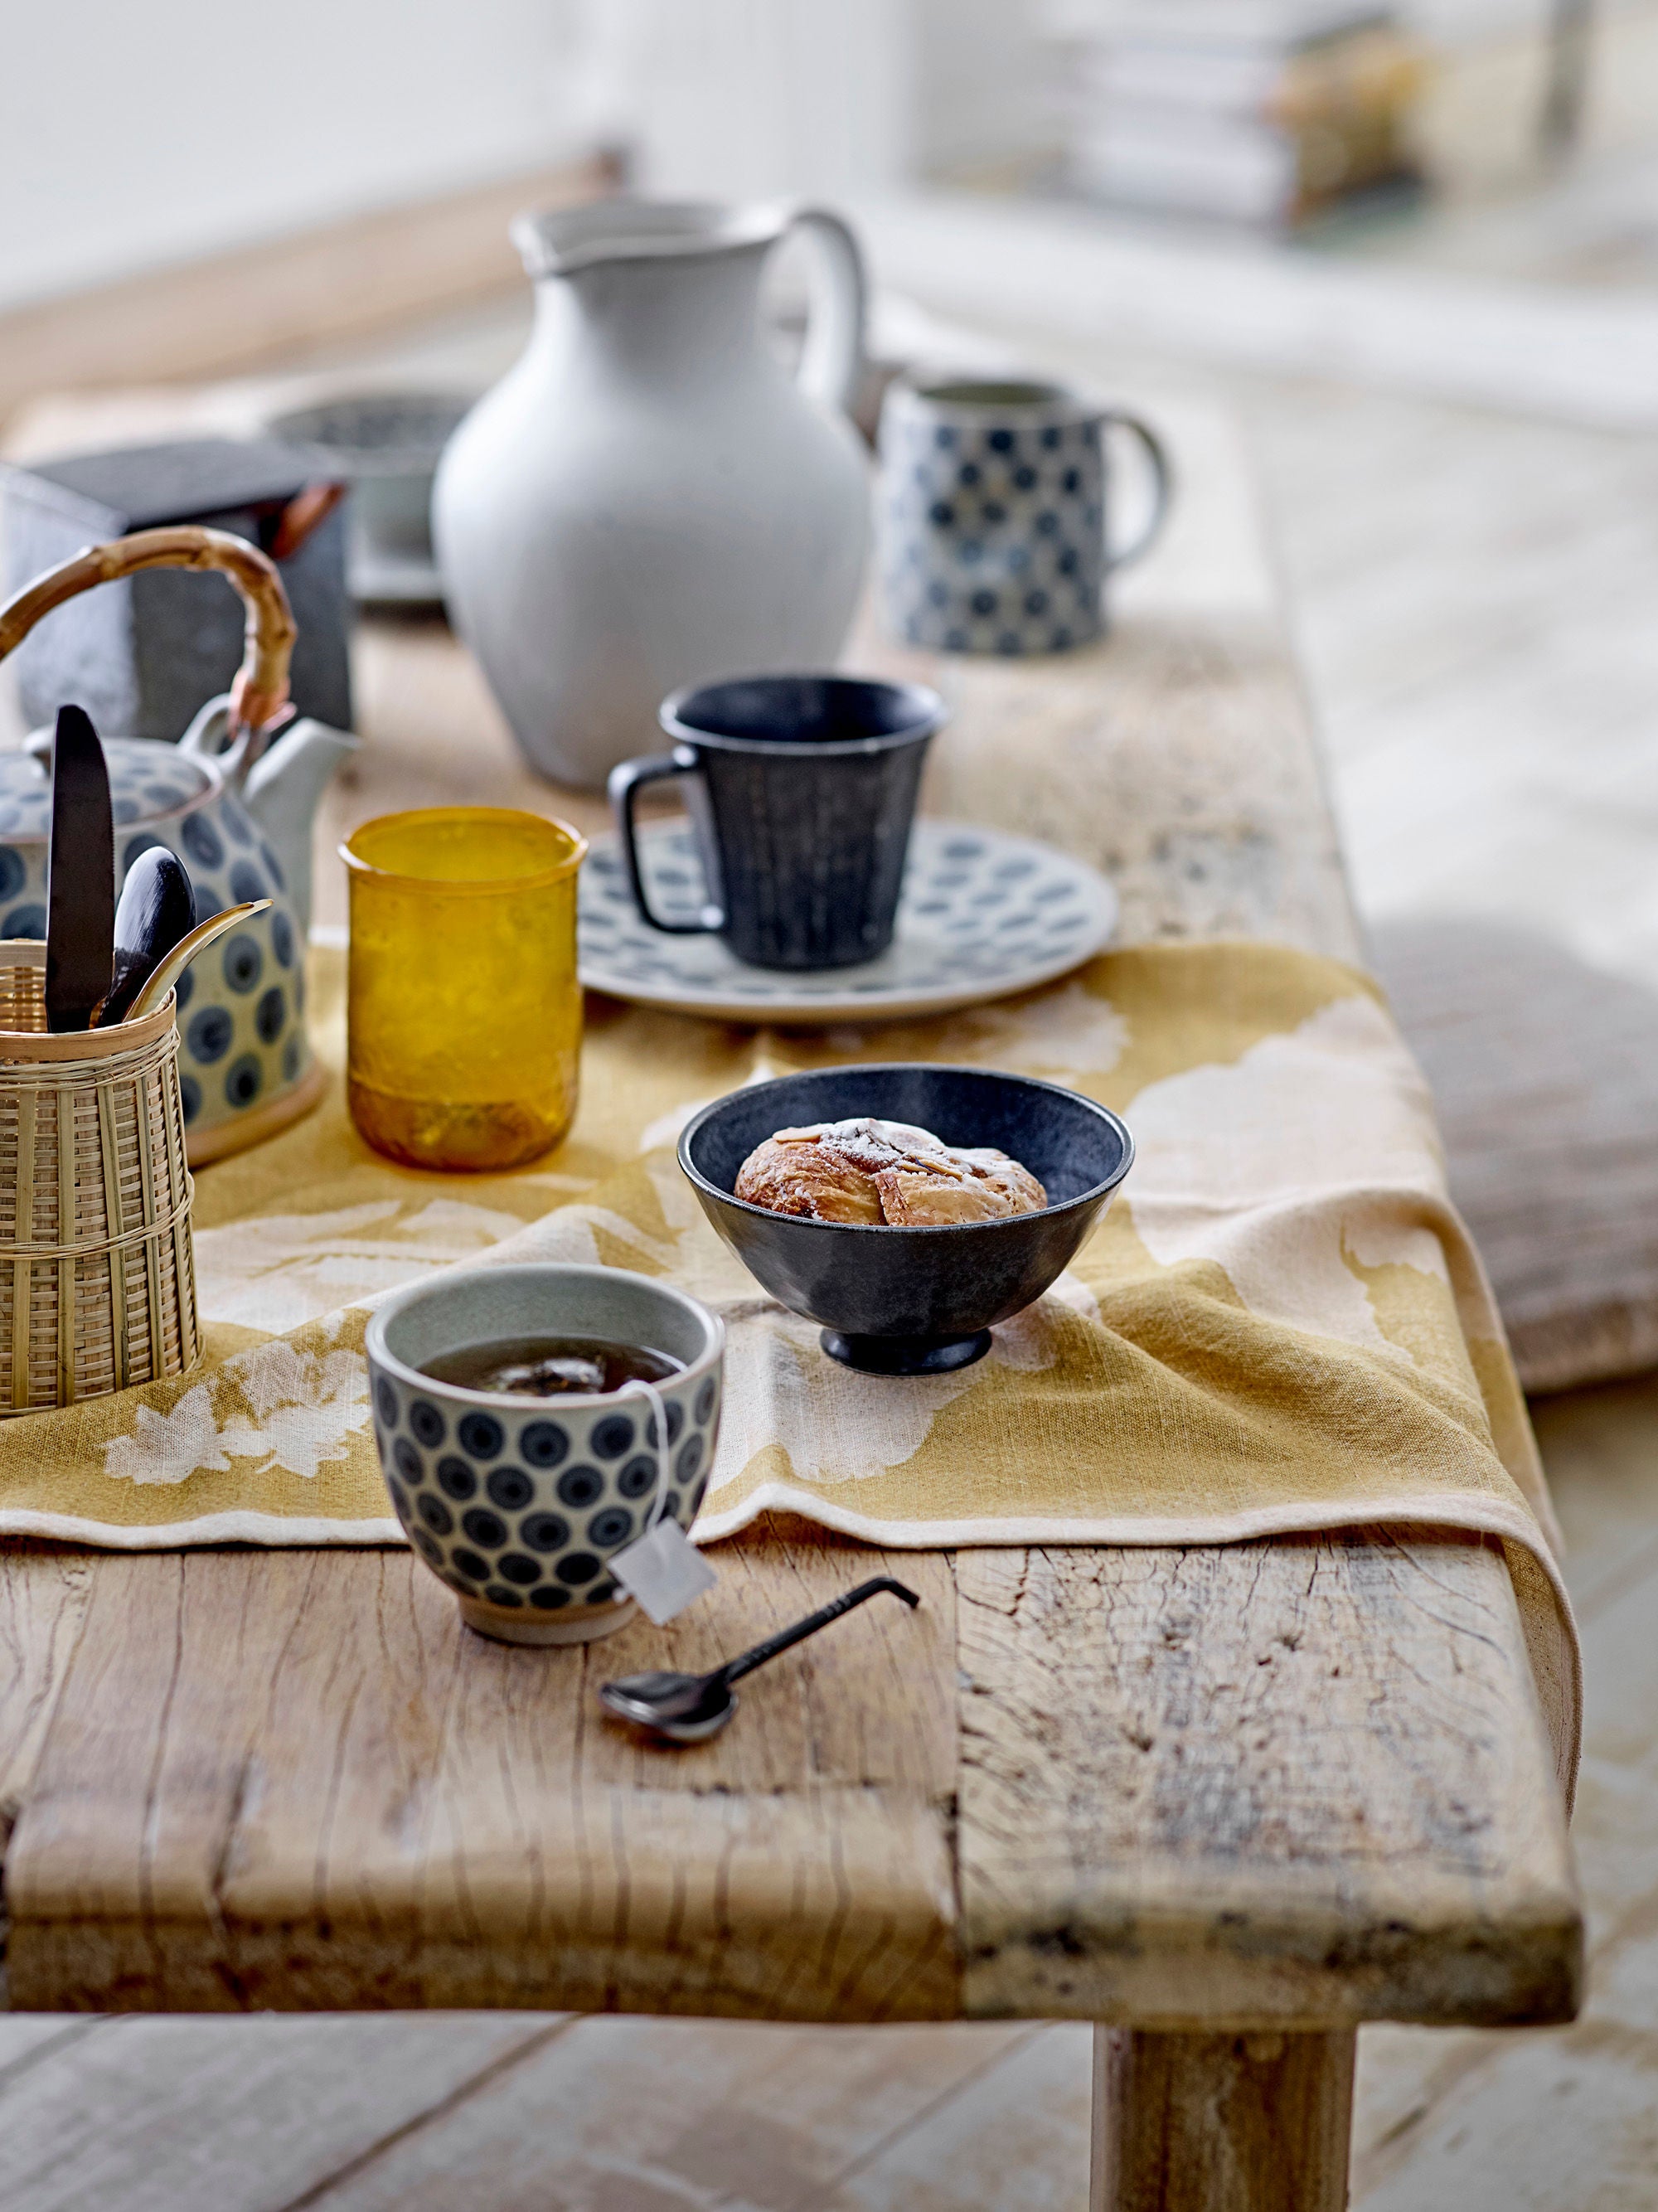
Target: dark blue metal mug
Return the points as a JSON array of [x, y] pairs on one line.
[[801, 790]]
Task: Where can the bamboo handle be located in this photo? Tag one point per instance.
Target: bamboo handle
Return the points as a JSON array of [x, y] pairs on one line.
[[260, 690]]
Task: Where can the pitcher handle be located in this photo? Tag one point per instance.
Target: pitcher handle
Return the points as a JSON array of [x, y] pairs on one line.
[[1163, 480], [626, 782], [832, 359]]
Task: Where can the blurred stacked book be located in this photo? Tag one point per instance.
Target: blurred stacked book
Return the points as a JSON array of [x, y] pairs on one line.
[[1262, 112]]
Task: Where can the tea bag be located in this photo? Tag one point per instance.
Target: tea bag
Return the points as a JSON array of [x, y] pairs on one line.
[[662, 1568], [664, 1571]]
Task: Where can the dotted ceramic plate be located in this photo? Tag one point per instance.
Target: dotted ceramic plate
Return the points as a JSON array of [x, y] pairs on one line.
[[982, 914]]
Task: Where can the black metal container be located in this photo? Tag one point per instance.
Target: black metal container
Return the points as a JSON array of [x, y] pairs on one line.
[[144, 654]]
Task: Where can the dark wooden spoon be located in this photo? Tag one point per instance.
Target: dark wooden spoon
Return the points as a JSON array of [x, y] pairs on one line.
[[157, 911]]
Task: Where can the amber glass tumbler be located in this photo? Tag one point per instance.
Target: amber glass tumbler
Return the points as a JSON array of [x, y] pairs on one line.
[[463, 1009]]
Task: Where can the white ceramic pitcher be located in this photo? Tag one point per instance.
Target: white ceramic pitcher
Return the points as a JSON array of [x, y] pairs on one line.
[[646, 500]]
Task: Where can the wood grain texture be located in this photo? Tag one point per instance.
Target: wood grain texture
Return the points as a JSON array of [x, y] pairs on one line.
[[1302, 1782], [1168, 1813], [1177, 754], [249, 2116], [680, 2116], [285, 1780], [293, 1780], [1254, 2123], [45, 1592], [1179, 764]]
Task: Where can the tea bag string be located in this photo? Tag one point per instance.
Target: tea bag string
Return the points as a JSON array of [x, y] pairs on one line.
[[660, 1568], [637, 1385]]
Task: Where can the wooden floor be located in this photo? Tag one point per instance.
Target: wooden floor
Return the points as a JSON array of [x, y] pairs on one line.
[[498, 2111]]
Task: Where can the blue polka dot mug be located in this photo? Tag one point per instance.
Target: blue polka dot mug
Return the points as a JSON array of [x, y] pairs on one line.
[[993, 525], [520, 1504]]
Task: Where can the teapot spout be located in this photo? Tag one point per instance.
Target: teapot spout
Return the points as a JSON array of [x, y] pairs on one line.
[[281, 792]]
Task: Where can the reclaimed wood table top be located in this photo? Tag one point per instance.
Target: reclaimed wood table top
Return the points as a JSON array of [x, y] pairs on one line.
[[1301, 1782]]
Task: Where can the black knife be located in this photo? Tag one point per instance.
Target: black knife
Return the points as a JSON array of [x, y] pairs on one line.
[[80, 876]]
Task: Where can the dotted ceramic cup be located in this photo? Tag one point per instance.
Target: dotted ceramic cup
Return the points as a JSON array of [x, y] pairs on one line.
[[992, 514], [520, 1504]]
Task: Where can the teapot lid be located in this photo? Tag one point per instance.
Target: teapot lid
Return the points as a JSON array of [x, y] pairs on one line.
[[147, 779]]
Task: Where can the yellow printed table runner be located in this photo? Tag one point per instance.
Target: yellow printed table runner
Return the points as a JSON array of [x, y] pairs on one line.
[[1279, 1325]]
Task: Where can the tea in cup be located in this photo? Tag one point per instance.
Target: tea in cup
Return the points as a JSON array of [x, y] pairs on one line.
[[519, 1487]]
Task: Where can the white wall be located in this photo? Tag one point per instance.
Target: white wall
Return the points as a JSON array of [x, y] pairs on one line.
[[744, 99], [136, 132], [985, 77], [825, 98]]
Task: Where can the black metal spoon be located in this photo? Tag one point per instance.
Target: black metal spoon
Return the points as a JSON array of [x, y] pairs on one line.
[[690, 1708], [157, 911]]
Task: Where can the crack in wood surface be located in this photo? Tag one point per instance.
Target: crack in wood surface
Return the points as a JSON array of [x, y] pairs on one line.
[[1302, 1806]]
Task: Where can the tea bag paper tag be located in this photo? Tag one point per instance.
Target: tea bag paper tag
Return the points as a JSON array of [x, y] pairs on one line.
[[663, 1570]]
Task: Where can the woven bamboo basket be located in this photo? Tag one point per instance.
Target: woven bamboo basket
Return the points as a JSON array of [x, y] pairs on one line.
[[97, 1272]]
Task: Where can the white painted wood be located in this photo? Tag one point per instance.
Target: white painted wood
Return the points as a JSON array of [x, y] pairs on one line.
[[26, 2039], [187, 2116], [637, 2116], [1015, 2139]]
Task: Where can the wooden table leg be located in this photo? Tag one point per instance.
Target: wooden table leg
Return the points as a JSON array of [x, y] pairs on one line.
[[1255, 2123]]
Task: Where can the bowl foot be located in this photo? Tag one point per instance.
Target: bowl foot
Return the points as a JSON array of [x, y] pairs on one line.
[[905, 1355], [581, 1624]]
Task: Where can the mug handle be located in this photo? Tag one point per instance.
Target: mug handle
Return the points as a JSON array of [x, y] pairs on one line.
[[626, 782], [832, 359], [1162, 485]]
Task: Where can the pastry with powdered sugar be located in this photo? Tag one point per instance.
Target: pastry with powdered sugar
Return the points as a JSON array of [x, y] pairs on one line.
[[878, 1173]]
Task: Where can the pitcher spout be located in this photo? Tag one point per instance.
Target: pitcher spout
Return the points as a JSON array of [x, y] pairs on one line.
[[564, 241]]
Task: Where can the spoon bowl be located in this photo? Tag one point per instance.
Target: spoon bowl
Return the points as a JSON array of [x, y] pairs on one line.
[[690, 1708], [157, 910], [684, 1708]]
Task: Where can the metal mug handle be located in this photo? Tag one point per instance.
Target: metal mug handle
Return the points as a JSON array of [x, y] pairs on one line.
[[1162, 485], [626, 782], [832, 362]]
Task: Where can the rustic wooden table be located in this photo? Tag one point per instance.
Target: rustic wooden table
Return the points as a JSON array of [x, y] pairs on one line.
[[1229, 1802]]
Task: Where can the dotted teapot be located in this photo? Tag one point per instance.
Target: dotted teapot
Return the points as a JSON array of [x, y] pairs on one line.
[[238, 816]]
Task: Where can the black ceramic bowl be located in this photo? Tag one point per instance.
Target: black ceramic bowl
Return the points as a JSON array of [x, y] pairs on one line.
[[911, 1300]]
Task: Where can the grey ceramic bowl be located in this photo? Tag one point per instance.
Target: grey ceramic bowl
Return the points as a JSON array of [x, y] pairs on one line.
[[911, 1300], [518, 1504], [388, 443]]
